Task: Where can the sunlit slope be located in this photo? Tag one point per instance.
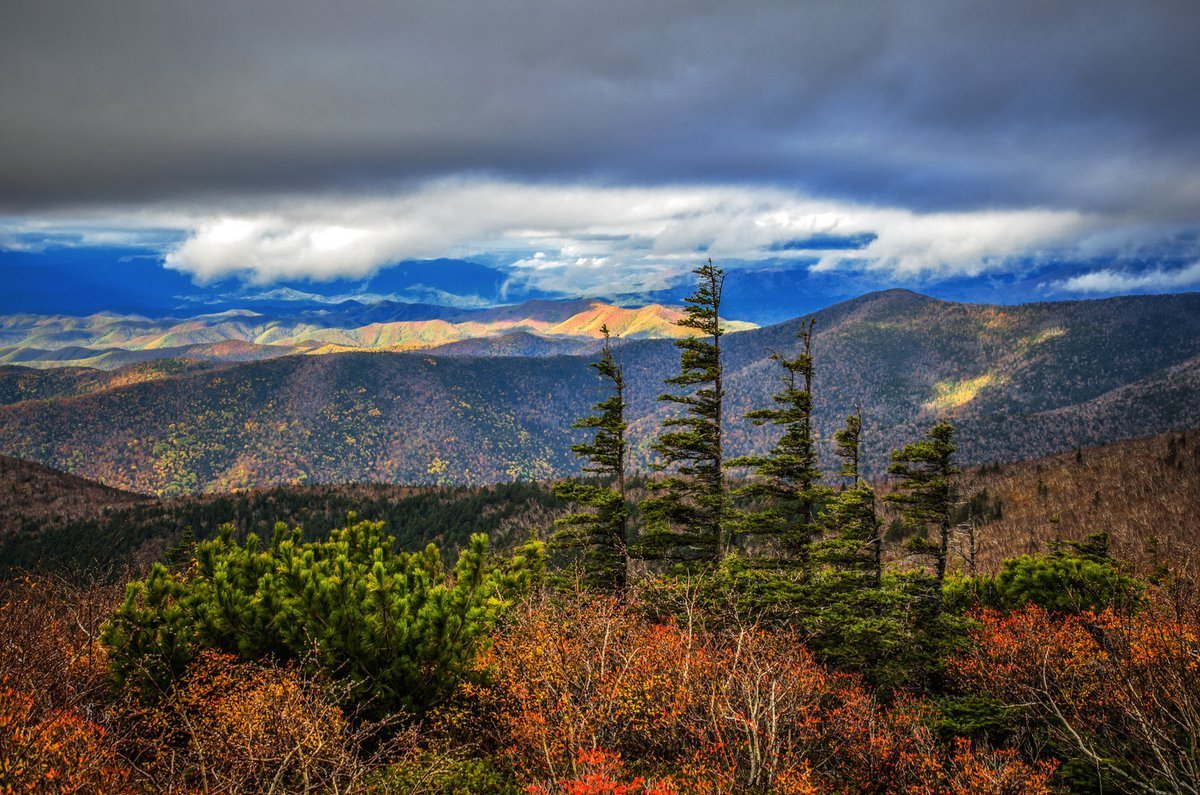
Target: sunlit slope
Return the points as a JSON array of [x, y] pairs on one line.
[[109, 341]]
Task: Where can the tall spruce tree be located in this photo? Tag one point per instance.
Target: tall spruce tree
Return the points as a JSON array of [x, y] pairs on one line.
[[687, 520], [785, 494], [927, 494], [600, 533], [855, 545]]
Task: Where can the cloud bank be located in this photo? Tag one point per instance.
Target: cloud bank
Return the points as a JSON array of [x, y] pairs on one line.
[[595, 148], [583, 239]]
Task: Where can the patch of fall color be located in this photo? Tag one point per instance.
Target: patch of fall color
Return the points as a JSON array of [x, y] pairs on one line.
[[54, 749], [1119, 691], [569, 677], [53, 737], [579, 683], [235, 726], [600, 772], [1015, 651]]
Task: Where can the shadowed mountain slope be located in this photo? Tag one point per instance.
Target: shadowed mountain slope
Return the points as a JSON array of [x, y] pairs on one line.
[[33, 497]]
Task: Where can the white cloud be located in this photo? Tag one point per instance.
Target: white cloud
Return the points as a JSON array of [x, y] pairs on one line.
[[37, 235], [1114, 281], [940, 245], [587, 238]]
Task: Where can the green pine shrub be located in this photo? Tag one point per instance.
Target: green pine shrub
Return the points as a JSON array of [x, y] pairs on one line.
[[1074, 577], [397, 627]]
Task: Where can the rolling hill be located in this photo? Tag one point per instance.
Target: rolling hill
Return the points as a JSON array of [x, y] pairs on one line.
[[1019, 381], [53, 520], [34, 498]]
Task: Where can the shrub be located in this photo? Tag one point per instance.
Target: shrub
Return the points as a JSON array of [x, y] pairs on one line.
[[1075, 577], [1063, 583], [694, 710], [229, 725], [54, 750], [395, 625], [1116, 691], [54, 733]]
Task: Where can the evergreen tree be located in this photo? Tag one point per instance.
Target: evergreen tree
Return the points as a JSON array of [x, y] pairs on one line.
[[686, 521], [927, 494], [848, 447], [181, 552], [600, 534], [786, 492], [855, 545]]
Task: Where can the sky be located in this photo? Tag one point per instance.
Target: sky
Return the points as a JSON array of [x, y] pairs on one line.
[[986, 151]]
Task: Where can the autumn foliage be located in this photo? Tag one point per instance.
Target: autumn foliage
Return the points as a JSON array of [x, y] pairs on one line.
[[53, 750], [580, 693], [51, 678], [237, 726], [1118, 691], [581, 683]]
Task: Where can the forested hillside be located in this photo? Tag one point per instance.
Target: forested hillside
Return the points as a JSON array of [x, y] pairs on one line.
[[34, 499], [1018, 381], [80, 524], [1144, 493], [18, 384]]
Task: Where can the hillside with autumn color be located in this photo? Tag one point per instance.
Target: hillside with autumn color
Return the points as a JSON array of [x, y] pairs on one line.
[[1142, 492], [1020, 381]]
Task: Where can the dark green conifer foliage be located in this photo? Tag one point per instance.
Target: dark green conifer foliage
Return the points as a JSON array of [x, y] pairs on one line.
[[855, 543], [180, 552], [928, 492], [687, 520], [785, 494], [848, 447], [1074, 576], [397, 626], [600, 533]]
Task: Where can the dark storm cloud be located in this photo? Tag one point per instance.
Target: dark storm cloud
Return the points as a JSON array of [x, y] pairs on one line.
[[929, 105]]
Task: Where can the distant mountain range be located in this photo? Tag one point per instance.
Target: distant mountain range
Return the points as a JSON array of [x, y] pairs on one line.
[[533, 328], [1019, 381]]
